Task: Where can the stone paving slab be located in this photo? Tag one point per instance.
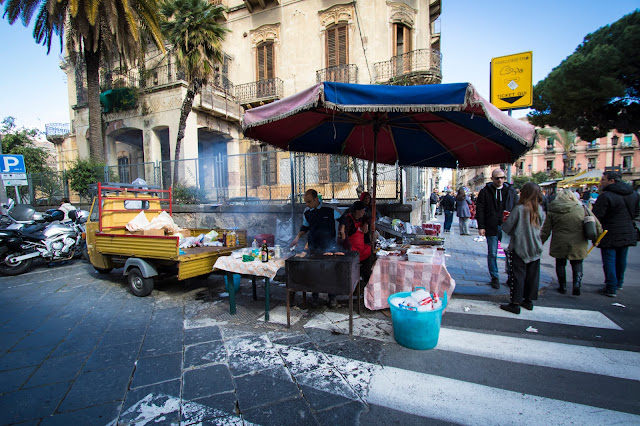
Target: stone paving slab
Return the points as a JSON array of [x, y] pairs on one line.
[[77, 347]]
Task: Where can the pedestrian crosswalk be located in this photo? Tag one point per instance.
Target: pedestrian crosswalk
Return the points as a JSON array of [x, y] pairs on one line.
[[478, 399]]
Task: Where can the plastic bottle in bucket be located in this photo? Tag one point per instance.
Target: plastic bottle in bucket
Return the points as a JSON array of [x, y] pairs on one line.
[[415, 329]]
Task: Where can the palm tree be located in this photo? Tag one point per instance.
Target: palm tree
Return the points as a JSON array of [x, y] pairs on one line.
[[566, 139], [96, 30], [192, 30]]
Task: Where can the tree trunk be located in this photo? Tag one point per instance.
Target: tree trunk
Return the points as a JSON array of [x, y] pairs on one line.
[[369, 177], [187, 104], [356, 169], [96, 143]]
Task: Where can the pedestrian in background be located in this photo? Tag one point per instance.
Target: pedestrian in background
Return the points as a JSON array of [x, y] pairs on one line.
[[66, 207], [616, 208], [564, 223], [433, 203], [448, 204], [495, 198], [463, 202], [525, 249]]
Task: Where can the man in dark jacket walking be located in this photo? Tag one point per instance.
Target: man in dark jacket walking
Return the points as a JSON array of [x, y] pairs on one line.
[[616, 208], [448, 204], [496, 197], [433, 203]]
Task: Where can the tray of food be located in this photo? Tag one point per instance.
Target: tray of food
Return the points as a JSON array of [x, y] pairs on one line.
[[427, 240]]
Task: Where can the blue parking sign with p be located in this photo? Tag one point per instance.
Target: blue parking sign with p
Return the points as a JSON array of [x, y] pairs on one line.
[[12, 164]]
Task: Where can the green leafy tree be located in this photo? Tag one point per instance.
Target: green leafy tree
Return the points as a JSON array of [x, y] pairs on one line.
[[597, 88], [95, 30], [19, 141], [192, 29], [83, 173]]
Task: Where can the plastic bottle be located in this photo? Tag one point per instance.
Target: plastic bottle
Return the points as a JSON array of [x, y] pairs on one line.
[[254, 244], [264, 251]]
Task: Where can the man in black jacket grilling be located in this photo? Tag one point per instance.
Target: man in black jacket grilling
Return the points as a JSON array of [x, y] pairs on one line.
[[320, 223]]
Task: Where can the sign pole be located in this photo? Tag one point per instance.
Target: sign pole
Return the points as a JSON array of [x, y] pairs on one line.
[[509, 165], [3, 192]]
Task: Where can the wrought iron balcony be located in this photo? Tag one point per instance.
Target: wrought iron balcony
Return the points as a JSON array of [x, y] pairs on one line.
[[593, 146], [259, 92], [339, 74], [549, 149], [628, 169], [626, 145], [422, 66]]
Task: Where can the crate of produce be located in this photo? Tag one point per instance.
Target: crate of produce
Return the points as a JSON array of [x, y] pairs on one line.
[[422, 255]]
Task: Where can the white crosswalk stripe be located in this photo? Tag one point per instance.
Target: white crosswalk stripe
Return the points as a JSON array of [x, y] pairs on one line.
[[454, 400], [579, 317]]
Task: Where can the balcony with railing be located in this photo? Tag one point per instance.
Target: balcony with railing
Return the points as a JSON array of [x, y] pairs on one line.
[[549, 149], [339, 74], [593, 146], [627, 145], [423, 66], [628, 170], [260, 92], [217, 97], [57, 132]]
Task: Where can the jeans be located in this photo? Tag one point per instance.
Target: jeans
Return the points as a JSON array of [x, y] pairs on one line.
[[463, 223], [492, 253], [448, 219], [614, 263]]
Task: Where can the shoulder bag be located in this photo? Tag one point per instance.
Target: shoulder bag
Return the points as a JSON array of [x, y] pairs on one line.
[[633, 221], [589, 225]]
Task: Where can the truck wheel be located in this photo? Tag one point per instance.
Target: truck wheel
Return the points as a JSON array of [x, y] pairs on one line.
[[102, 270], [139, 285]]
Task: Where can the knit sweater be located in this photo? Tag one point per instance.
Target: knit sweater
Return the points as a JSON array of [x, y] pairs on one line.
[[525, 238]]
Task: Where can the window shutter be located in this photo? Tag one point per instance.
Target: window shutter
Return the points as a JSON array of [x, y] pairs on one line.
[[260, 62], [255, 166], [323, 168], [331, 47], [265, 64], [273, 168], [269, 61], [343, 58]]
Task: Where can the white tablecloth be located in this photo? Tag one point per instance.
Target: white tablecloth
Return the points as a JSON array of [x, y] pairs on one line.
[[256, 268]]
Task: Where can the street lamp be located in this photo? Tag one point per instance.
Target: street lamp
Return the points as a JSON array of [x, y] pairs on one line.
[[579, 167], [614, 142]]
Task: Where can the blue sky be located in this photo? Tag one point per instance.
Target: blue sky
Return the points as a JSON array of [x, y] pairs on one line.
[[33, 87]]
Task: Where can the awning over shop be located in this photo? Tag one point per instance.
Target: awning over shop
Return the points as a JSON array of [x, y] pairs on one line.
[[590, 178], [570, 180], [548, 183]]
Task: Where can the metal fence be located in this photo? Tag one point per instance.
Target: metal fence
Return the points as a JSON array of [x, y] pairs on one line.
[[257, 177]]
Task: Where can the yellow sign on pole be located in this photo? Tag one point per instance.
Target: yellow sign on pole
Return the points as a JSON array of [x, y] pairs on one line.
[[511, 81]]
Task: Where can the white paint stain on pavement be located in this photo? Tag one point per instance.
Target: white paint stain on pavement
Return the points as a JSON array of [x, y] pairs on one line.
[[153, 409]]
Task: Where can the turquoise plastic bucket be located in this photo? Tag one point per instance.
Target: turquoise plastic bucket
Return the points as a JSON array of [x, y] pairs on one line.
[[413, 329], [236, 282]]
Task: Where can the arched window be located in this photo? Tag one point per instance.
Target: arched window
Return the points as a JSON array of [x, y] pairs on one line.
[[401, 39]]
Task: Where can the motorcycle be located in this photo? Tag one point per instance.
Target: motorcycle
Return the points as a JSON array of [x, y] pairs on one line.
[[55, 243], [19, 216]]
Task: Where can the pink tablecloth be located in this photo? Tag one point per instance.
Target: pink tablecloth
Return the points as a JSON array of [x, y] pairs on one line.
[[256, 268], [391, 275]]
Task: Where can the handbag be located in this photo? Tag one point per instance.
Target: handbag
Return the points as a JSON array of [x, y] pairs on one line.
[[589, 225], [635, 225]]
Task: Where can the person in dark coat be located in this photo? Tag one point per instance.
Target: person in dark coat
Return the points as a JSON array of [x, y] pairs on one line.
[[320, 223], [496, 197], [462, 210], [616, 208], [448, 204]]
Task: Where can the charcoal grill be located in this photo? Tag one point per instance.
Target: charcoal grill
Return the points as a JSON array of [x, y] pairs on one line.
[[319, 273]]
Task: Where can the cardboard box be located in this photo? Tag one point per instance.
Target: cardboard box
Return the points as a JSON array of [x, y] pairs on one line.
[[150, 232]]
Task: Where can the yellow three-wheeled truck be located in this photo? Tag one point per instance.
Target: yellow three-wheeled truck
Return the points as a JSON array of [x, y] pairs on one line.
[[145, 255]]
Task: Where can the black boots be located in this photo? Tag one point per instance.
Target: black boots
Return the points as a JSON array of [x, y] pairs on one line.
[[511, 307], [562, 284], [577, 280]]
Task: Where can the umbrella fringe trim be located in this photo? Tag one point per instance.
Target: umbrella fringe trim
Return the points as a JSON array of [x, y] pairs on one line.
[[393, 108], [301, 108]]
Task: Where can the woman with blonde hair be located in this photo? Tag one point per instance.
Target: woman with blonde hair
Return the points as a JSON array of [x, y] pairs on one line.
[[564, 223], [525, 248]]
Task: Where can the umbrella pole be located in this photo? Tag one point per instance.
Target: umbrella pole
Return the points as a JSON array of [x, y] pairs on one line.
[[376, 129]]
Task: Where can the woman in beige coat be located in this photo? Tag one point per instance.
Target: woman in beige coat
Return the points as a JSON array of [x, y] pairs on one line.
[[564, 219]]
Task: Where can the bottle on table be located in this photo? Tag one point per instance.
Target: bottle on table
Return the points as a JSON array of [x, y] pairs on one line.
[[264, 251]]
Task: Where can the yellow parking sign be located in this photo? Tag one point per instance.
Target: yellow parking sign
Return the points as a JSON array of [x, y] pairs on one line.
[[511, 81]]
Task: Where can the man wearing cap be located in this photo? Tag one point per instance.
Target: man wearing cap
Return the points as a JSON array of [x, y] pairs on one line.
[[616, 208], [495, 198]]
